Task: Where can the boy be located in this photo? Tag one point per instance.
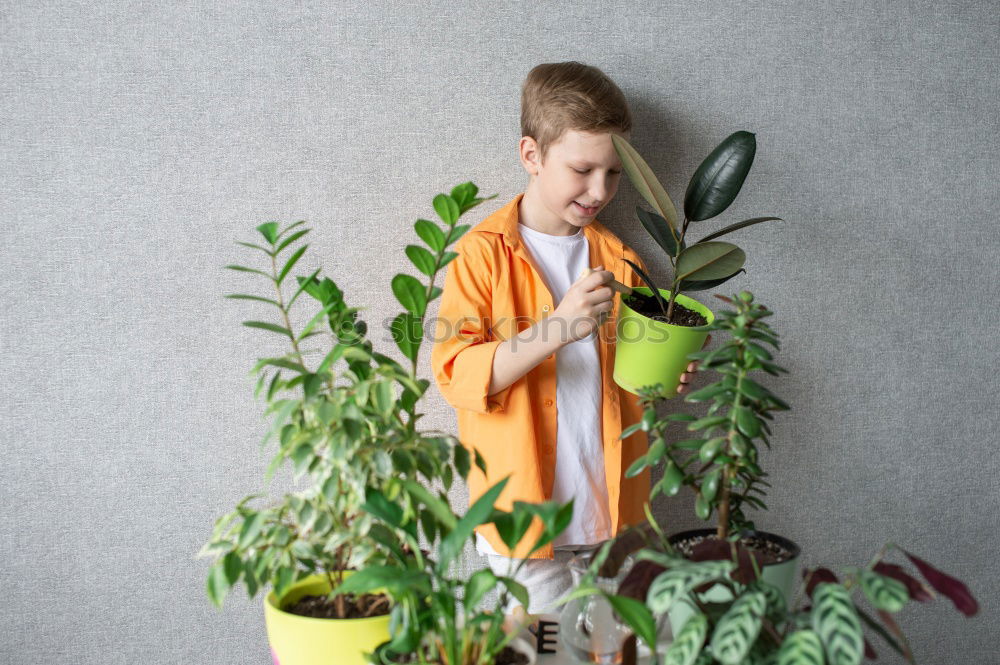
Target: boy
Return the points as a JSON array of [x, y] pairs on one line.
[[525, 347]]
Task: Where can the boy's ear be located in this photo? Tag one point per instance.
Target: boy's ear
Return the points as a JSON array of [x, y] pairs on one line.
[[528, 149]]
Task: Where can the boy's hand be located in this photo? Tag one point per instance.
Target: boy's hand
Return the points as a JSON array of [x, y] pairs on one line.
[[586, 303], [692, 369]]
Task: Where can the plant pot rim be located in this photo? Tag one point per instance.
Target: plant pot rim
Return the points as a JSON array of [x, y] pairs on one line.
[[792, 547], [273, 603], [687, 301]]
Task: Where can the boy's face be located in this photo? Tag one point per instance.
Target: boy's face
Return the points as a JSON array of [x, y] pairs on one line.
[[580, 169]]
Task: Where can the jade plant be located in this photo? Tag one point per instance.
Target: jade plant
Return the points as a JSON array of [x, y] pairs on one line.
[[344, 418], [706, 263], [720, 462]]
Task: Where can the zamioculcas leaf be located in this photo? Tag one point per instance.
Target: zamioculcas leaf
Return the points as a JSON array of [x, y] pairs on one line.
[[884, 593], [421, 258], [658, 228], [446, 208], [737, 226], [738, 628], [801, 648], [410, 293], [709, 260], [836, 622], [674, 583], [644, 181], [914, 587], [430, 233], [687, 644], [407, 332], [719, 178], [947, 585]]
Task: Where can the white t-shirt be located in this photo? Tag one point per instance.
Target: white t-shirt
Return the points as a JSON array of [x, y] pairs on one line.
[[579, 472]]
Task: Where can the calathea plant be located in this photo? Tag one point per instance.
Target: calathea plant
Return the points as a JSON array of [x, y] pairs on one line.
[[753, 624], [345, 419], [713, 187], [720, 462]]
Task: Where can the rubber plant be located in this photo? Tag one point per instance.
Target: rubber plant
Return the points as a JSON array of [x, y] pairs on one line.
[[706, 263], [344, 419]]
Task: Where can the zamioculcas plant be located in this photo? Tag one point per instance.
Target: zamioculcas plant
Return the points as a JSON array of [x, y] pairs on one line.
[[345, 420], [707, 263]]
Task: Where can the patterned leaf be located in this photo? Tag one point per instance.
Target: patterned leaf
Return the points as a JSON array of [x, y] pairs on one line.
[[884, 592], [776, 604], [738, 628], [801, 648], [687, 645], [836, 622], [674, 583]]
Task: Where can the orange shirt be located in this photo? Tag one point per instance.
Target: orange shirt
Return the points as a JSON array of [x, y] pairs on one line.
[[492, 291]]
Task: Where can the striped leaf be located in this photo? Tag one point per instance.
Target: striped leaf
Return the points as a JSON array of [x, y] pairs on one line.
[[776, 605], [738, 628], [884, 592], [801, 648], [835, 620], [674, 583], [687, 645]]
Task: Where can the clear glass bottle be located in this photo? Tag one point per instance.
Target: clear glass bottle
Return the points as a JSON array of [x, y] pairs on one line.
[[589, 631]]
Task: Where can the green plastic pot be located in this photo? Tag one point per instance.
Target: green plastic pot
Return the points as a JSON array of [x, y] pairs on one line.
[[781, 575], [649, 352]]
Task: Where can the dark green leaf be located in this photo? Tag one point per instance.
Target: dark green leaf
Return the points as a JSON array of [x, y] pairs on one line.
[[709, 260], [290, 239], [410, 293], [737, 226], [253, 270], [270, 231], [661, 232], [719, 177], [446, 208]]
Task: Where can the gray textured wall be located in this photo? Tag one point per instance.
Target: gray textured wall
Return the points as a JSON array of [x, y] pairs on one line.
[[140, 140]]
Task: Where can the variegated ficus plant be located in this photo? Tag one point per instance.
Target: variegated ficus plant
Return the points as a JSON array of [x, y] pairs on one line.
[[708, 262], [345, 419], [826, 621]]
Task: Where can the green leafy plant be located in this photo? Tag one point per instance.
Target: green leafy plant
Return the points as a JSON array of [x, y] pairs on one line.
[[345, 419], [438, 617], [720, 464], [825, 622], [713, 187]]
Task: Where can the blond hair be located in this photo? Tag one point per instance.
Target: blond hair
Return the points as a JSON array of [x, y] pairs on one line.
[[561, 96]]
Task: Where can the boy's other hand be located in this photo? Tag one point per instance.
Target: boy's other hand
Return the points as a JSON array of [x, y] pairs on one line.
[[586, 304], [692, 369]]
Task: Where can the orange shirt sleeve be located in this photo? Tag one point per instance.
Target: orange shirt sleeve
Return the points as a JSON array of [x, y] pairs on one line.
[[462, 355]]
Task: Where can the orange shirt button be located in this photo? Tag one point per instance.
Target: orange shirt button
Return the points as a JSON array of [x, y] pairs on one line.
[[548, 402]]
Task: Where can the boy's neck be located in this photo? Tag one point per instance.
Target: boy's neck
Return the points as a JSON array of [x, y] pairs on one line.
[[533, 214]]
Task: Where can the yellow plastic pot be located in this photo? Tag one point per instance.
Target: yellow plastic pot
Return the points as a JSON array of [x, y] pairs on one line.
[[298, 640], [649, 352]]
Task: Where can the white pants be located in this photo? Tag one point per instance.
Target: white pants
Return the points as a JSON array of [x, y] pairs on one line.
[[547, 580]]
